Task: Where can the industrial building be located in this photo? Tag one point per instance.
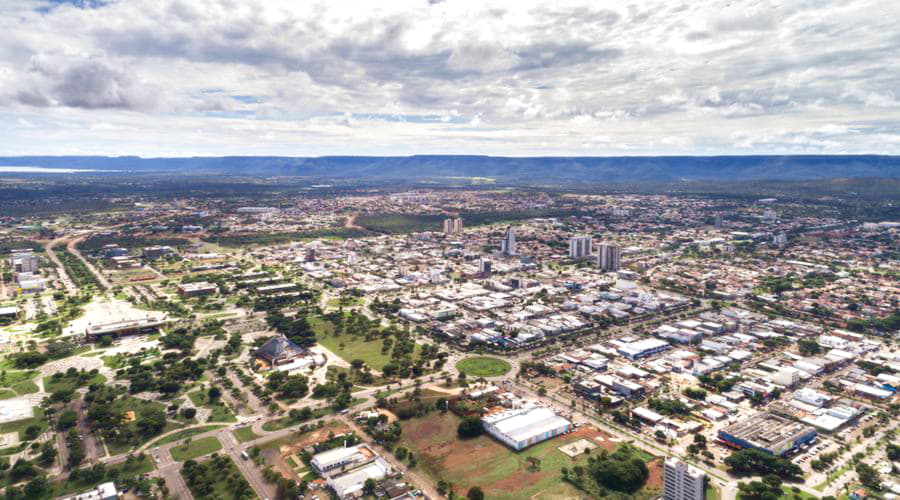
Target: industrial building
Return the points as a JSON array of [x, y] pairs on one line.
[[769, 433], [682, 481], [521, 428]]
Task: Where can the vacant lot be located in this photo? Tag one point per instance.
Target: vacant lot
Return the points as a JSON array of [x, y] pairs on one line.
[[350, 347], [483, 366], [499, 471]]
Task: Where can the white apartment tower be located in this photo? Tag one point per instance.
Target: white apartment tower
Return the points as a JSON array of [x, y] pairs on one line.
[[579, 247], [682, 481], [453, 226], [508, 243], [609, 257], [24, 262]]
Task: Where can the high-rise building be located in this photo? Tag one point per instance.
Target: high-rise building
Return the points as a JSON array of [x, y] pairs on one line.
[[682, 481], [780, 239], [718, 220], [508, 243], [769, 216], [453, 226], [580, 246], [609, 257], [485, 267], [24, 262]]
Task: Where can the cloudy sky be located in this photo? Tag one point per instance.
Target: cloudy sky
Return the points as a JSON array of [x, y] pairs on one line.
[[215, 77]]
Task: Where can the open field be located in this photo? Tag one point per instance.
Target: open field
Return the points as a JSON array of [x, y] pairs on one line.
[[244, 434], [196, 449], [66, 383], [502, 473], [140, 407], [483, 366]]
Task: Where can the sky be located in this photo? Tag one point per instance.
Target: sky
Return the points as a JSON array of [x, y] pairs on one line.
[[516, 78]]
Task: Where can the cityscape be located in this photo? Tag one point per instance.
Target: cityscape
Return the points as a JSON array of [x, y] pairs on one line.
[[432, 250]]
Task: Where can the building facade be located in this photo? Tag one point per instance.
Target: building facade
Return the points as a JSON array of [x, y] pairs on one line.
[[609, 257], [580, 247], [682, 481]]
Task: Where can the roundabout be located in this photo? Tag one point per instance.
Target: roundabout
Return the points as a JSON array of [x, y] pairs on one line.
[[483, 366]]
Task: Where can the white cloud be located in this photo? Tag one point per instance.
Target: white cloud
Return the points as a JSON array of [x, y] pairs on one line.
[[517, 77]]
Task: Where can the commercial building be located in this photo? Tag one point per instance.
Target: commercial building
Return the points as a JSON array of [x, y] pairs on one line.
[[197, 289], [508, 243], [609, 257], [580, 247], [787, 377], [279, 350], [339, 458], [24, 262], [682, 481], [453, 226], [521, 428], [643, 348], [769, 433], [103, 491], [156, 252], [120, 328]]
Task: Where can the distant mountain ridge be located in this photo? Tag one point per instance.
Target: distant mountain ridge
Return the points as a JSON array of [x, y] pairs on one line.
[[524, 169]]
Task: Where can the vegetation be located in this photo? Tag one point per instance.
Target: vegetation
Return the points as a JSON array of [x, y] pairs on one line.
[[757, 462], [483, 366], [194, 449], [77, 270], [622, 471], [217, 477], [242, 240]]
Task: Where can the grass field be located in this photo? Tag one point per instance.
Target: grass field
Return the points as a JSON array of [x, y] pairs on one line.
[[483, 366], [196, 449], [220, 411], [66, 383], [225, 480], [178, 436], [499, 471], [10, 379], [353, 347], [245, 434], [26, 387]]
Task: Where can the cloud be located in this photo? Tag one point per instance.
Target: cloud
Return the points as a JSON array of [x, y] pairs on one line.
[[514, 77]]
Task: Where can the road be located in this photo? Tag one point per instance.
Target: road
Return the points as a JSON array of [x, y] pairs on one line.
[[60, 269]]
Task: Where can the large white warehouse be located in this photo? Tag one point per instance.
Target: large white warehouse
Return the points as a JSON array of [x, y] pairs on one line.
[[521, 428]]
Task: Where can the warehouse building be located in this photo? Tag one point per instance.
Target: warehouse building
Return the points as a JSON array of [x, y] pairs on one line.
[[643, 348], [769, 433], [521, 428]]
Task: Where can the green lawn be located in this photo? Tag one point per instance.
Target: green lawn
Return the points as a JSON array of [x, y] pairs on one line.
[[66, 383], [178, 436], [353, 347], [220, 411], [20, 425], [7, 393], [26, 387], [196, 449], [245, 434], [483, 366], [9, 379]]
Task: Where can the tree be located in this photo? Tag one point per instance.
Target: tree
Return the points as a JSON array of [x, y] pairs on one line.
[[470, 427], [752, 462], [369, 487], [868, 476], [214, 393], [475, 493]]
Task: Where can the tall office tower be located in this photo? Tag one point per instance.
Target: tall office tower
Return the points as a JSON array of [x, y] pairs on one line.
[[453, 226], [485, 267], [780, 239], [508, 243], [609, 257], [24, 262], [718, 221], [682, 481], [580, 246]]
